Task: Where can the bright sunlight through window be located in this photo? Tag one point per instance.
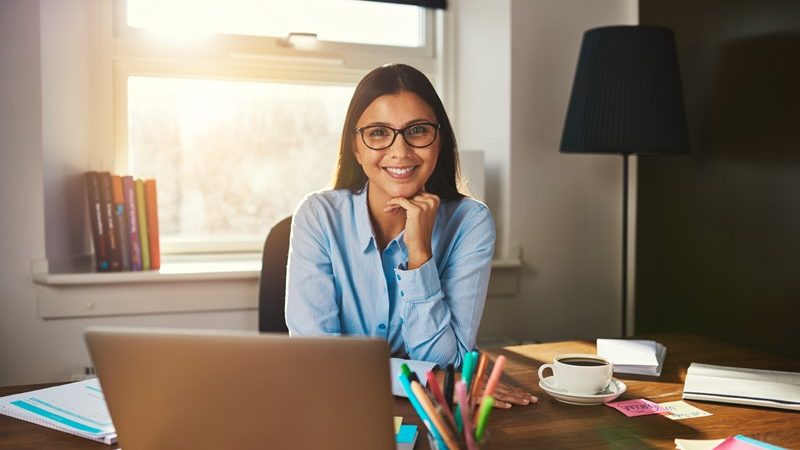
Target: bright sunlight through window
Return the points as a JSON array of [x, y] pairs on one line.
[[351, 21], [231, 157]]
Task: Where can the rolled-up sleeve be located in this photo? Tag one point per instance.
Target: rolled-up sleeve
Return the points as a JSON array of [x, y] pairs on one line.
[[442, 307], [311, 308]]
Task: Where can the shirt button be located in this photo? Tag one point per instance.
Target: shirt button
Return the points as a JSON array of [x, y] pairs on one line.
[[382, 326], [402, 294], [398, 277]]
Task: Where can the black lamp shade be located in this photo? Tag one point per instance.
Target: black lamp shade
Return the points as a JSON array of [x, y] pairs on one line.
[[627, 96]]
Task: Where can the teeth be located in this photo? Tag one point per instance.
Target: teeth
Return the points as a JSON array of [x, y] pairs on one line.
[[397, 171]]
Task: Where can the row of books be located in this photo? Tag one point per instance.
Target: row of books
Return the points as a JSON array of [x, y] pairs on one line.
[[124, 220]]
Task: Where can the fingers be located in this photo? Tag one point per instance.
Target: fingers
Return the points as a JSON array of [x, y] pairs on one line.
[[419, 202], [506, 395]]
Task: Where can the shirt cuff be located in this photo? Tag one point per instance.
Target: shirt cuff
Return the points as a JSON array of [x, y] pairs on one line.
[[419, 284]]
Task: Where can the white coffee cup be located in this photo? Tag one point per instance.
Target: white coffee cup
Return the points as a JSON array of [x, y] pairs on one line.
[[578, 373]]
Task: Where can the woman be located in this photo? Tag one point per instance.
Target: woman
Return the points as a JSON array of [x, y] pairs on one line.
[[394, 250]]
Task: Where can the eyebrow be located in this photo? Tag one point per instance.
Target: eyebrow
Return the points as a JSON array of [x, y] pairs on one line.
[[386, 124]]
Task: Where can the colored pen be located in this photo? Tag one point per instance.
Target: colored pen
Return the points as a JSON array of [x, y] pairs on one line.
[[449, 379], [477, 379], [467, 366], [494, 379], [483, 416], [437, 420], [412, 376], [433, 386], [461, 395], [418, 407]]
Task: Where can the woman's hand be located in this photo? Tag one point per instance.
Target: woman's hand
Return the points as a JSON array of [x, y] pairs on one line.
[[507, 395], [420, 218]]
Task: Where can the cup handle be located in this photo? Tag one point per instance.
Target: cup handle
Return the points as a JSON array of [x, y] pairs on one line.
[[544, 367]]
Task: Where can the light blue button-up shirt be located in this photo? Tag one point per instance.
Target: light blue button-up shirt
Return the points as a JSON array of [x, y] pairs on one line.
[[340, 283]]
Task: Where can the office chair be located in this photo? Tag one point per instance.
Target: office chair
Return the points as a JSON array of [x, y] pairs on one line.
[[272, 286]]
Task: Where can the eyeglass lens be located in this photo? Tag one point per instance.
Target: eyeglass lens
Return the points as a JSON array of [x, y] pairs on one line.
[[417, 135]]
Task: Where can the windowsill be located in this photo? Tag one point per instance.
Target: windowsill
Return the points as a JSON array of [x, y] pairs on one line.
[[178, 269], [183, 285]]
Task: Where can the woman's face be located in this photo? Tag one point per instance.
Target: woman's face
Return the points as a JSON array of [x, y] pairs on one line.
[[399, 170]]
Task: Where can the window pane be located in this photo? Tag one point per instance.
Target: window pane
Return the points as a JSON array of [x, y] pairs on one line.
[[332, 20], [231, 157]]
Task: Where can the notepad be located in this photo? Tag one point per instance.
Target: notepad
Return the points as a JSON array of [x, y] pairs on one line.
[[416, 366], [770, 388], [75, 408], [640, 357]]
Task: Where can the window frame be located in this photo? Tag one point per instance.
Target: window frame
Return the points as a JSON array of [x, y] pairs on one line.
[[248, 58]]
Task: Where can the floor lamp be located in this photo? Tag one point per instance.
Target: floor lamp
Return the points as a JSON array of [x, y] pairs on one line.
[[626, 99]]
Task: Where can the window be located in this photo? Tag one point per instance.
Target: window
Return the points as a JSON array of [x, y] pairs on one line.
[[236, 108]]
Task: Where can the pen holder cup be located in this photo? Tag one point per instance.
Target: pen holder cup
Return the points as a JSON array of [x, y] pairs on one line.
[[482, 445]]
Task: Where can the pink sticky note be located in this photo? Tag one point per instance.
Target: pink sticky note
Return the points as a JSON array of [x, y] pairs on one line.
[[638, 407], [742, 443]]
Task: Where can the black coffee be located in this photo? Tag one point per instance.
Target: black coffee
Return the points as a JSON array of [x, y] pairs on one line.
[[583, 362]]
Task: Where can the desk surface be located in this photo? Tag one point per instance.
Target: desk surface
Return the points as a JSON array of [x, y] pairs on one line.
[[552, 424]]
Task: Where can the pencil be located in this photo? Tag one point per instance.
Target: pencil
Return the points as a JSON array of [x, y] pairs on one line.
[[436, 419]]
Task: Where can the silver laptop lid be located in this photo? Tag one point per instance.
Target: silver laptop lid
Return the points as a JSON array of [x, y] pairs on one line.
[[169, 389]]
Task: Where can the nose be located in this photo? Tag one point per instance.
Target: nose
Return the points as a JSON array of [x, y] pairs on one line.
[[399, 147]]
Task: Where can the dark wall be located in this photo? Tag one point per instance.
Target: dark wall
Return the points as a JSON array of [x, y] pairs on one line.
[[718, 232]]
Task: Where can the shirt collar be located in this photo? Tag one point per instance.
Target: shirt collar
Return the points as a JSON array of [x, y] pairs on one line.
[[364, 230]]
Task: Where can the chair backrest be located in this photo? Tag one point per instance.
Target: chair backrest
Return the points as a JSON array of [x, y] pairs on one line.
[[272, 287]]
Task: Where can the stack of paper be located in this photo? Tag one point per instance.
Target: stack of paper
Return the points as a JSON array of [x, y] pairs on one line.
[[633, 356], [421, 368], [75, 408], [770, 388]]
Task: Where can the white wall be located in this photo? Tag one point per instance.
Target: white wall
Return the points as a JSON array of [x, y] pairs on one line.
[[49, 129], [516, 64], [515, 61]]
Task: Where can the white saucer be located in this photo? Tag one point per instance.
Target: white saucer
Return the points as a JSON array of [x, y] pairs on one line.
[[614, 390]]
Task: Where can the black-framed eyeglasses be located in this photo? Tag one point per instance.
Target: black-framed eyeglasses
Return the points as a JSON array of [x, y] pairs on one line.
[[417, 135]]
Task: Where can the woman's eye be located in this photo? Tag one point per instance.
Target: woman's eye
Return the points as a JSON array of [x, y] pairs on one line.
[[418, 130], [378, 132]]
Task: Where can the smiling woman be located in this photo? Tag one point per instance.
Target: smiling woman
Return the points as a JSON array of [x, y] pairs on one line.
[[394, 250]]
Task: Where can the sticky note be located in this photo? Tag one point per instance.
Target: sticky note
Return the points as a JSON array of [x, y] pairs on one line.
[[638, 407], [740, 442], [697, 444], [407, 434], [681, 410], [398, 420]]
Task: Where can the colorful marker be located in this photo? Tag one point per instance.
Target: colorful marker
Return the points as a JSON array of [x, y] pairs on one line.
[[483, 416], [461, 395], [437, 420]]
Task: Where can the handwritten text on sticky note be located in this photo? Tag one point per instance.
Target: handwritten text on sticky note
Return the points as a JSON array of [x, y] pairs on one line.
[[638, 407], [681, 410]]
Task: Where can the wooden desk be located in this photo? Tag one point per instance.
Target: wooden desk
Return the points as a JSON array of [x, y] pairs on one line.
[[554, 425]]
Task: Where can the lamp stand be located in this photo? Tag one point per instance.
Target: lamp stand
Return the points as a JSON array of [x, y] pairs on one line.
[[624, 244]]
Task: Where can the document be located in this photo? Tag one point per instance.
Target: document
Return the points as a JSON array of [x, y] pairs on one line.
[[419, 367], [76, 408], [640, 357], [770, 388]]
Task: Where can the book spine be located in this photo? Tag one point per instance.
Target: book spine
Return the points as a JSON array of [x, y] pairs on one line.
[[96, 220], [108, 220], [129, 191], [121, 222], [141, 214], [152, 223]]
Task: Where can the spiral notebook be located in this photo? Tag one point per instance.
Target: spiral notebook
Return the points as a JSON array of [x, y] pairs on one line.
[[75, 408]]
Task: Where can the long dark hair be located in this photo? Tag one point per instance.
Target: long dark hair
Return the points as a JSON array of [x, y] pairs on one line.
[[393, 79]]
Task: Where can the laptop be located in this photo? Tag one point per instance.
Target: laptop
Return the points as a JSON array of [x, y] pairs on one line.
[[199, 390]]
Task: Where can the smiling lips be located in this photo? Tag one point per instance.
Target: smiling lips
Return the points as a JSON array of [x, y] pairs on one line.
[[400, 172]]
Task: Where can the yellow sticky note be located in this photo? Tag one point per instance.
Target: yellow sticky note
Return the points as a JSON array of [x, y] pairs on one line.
[[398, 420]]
